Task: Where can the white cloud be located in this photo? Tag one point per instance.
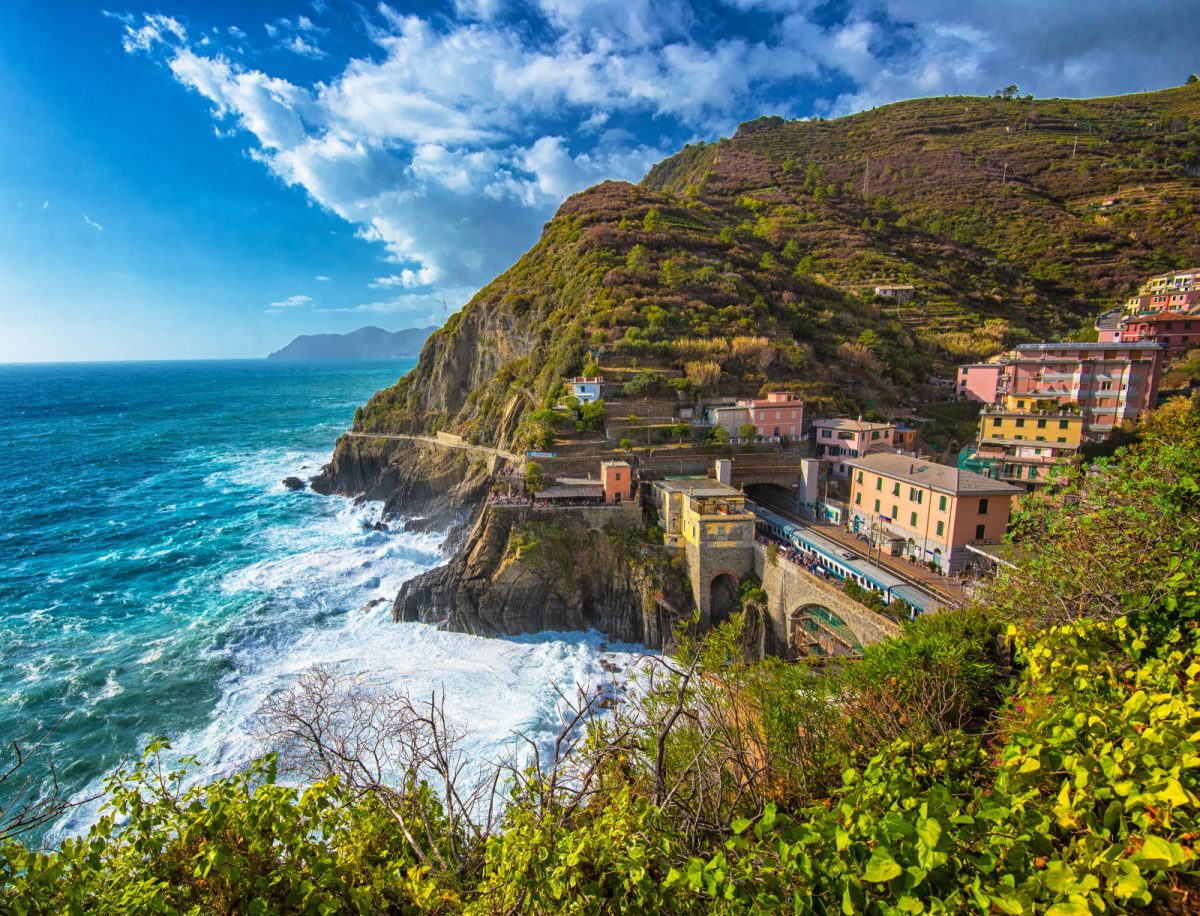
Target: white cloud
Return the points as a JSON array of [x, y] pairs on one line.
[[452, 141], [87, 219], [291, 302], [45, 205], [237, 33], [321, 278]]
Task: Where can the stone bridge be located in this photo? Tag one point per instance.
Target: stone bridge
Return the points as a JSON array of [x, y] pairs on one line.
[[809, 616]]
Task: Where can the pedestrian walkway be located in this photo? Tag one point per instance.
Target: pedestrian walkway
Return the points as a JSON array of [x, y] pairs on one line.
[[432, 440]]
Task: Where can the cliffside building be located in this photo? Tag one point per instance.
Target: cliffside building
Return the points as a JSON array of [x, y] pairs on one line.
[[585, 390], [927, 511], [709, 521], [779, 415]]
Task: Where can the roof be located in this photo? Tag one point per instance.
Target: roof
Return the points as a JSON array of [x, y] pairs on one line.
[[697, 486], [1110, 319], [1154, 317], [859, 426], [940, 477], [1086, 346], [572, 491]]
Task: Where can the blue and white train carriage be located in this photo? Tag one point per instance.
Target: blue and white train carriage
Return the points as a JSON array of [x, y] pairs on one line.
[[839, 562]]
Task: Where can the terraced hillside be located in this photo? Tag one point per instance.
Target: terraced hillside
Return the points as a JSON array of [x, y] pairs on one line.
[[753, 261]]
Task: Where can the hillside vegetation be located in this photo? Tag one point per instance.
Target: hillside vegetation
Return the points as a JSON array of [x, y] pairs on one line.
[[1013, 219], [1038, 752]]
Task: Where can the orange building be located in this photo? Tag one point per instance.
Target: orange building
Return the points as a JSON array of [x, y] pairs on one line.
[[617, 478], [929, 512]]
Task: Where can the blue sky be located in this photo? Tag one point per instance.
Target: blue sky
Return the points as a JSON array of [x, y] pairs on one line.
[[210, 179]]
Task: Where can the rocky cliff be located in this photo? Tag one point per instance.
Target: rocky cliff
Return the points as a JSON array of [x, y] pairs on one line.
[[429, 487], [560, 571]]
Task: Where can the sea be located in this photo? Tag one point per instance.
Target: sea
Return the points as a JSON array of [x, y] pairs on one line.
[[158, 580]]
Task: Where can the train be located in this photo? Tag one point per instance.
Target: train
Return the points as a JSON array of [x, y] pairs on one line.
[[841, 563]]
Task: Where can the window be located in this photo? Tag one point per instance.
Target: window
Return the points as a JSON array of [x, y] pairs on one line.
[[1041, 424], [858, 499], [983, 506], [860, 476], [941, 528], [979, 532], [876, 506], [941, 506], [1063, 424], [1062, 438], [995, 421], [912, 521], [895, 511], [896, 488], [878, 483], [1020, 423]]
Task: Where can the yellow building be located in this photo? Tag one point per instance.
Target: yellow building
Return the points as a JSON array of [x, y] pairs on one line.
[[709, 521], [1025, 418], [698, 510], [927, 511]]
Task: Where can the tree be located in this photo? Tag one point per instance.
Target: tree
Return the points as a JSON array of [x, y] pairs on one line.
[[679, 431], [592, 415], [653, 220], [747, 431], [703, 373], [626, 443], [718, 436], [535, 477], [1008, 92], [1193, 79], [638, 257]]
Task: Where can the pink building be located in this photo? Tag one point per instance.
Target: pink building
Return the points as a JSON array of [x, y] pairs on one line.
[[842, 438], [778, 414], [1111, 382], [980, 381]]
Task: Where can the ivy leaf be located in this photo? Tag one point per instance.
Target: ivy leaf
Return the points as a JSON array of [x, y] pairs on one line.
[[1159, 853], [882, 867]]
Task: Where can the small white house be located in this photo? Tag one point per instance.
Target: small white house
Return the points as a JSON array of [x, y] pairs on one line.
[[585, 390]]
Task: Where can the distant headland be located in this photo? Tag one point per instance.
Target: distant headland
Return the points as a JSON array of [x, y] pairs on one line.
[[365, 343]]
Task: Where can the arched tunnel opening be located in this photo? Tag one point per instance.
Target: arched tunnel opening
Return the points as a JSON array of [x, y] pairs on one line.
[[722, 598], [772, 494]]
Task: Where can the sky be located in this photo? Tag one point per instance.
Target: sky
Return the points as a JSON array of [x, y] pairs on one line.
[[210, 179]]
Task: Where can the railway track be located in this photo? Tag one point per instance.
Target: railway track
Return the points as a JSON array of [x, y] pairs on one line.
[[941, 594]]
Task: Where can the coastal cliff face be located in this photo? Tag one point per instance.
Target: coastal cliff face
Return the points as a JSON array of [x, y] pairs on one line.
[[520, 574], [431, 488]]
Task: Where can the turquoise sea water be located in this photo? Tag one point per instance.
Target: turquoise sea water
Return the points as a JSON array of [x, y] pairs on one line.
[[157, 579]]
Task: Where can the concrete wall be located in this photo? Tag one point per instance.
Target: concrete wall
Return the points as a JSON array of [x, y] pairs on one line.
[[627, 515]]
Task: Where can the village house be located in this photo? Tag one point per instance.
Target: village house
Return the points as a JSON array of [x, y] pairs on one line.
[[778, 415], [584, 389], [841, 438], [980, 381], [929, 512], [900, 292]]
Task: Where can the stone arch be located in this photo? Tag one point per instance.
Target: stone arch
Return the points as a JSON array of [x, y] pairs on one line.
[[817, 630], [722, 597]]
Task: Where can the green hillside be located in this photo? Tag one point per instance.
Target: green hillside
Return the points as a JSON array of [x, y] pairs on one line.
[[1013, 219]]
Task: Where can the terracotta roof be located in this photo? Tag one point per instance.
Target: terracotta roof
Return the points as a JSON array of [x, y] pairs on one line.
[[940, 477]]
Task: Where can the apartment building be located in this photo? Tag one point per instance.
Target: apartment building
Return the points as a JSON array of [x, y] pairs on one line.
[[929, 512]]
